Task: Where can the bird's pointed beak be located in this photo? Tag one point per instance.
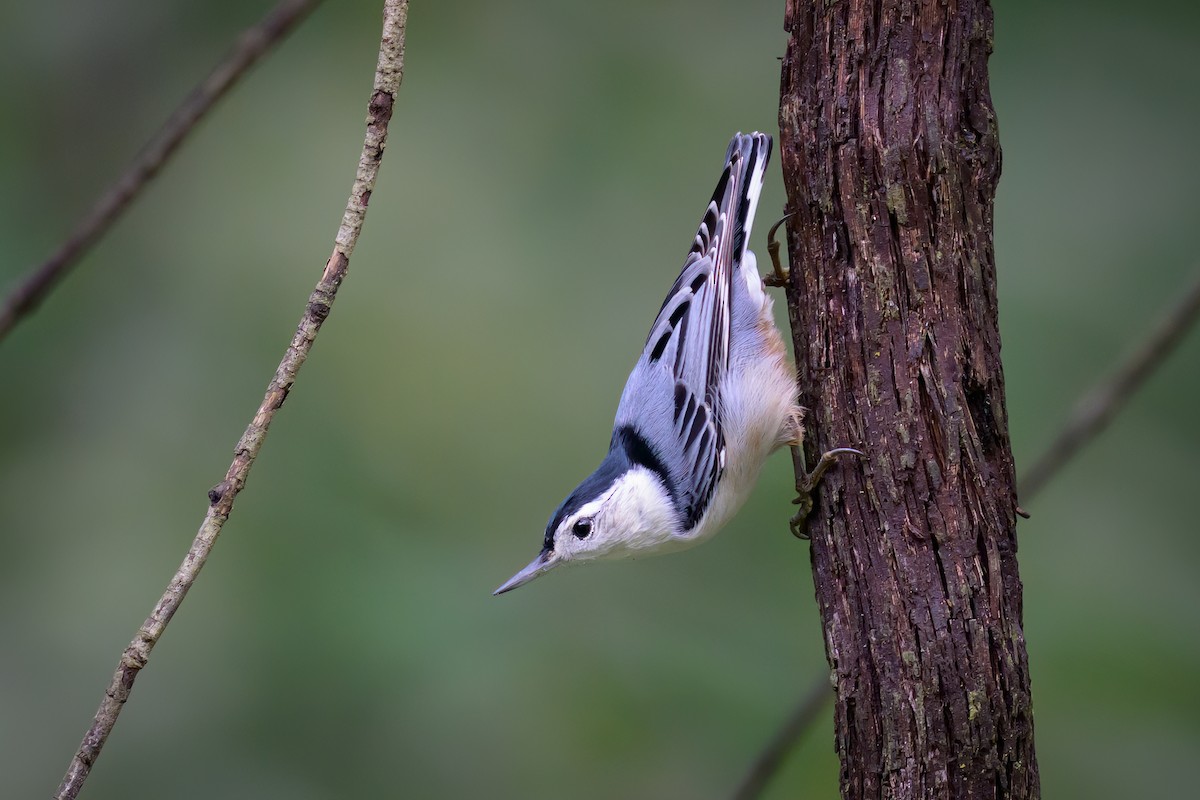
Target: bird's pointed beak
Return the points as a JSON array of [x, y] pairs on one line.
[[544, 562]]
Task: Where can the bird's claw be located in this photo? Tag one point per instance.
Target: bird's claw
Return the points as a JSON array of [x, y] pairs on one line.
[[806, 482], [797, 522], [780, 275]]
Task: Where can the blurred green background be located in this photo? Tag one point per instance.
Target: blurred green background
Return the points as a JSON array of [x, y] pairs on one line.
[[547, 165]]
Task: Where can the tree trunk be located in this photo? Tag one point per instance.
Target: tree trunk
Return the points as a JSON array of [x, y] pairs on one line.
[[891, 158]]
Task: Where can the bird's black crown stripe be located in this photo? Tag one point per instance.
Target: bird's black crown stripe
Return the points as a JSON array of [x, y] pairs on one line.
[[628, 448]]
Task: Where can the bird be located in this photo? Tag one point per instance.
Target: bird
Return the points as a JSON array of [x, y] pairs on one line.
[[712, 395]]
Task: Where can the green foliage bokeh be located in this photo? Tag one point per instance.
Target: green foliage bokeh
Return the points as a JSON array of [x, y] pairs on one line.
[[546, 168]]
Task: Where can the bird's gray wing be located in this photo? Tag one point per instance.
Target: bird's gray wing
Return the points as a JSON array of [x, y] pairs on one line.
[[690, 336]]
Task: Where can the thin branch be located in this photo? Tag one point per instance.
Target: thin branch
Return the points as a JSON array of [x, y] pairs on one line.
[[772, 756], [1096, 409], [250, 47], [221, 497], [1092, 414]]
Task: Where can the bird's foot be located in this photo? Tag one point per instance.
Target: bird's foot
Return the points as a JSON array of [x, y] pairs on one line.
[[806, 482], [780, 276]]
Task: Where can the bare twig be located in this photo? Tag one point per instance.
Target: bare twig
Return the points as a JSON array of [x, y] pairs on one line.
[[1092, 413], [250, 46], [772, 756], [221, 497], [1096, 409]]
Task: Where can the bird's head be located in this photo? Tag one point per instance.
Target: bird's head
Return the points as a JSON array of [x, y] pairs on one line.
[[620, 510]]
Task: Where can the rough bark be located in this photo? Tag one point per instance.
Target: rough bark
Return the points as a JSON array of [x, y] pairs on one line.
[[891, 159]]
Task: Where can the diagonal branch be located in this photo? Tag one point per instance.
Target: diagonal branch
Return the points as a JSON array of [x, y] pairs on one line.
[[1092, 414], [221, 497], [251, 45], [773, 754], [1096, 409]]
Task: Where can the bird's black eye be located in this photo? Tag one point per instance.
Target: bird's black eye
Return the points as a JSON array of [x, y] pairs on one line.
[[582, 528]]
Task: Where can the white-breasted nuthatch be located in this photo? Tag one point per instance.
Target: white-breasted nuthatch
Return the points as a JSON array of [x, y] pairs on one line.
[[712, 395]]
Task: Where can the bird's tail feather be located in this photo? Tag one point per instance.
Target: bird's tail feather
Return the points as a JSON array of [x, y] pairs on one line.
[[746, 160]]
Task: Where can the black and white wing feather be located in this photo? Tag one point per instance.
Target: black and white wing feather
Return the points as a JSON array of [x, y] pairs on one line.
[[687, 352]]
